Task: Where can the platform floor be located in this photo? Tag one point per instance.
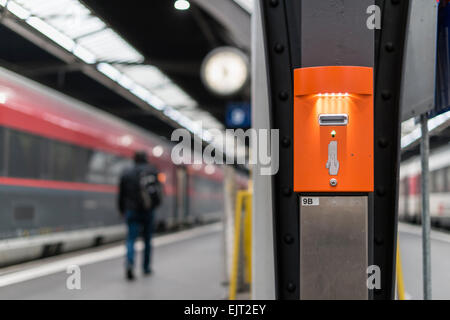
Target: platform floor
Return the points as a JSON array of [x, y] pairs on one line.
[[411, 254], [187, 265]]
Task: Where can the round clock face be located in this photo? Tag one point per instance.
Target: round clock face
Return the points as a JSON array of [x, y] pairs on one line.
[[225, 71]]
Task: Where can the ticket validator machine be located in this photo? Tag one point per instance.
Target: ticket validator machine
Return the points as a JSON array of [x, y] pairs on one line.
[[334, 178]]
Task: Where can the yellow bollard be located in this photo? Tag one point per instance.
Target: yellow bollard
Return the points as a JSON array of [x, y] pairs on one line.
[[248, 237], [237, 236], [400, 283], [242, 198]]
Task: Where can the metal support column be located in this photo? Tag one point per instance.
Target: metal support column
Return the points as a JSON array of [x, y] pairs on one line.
[[426, 221], [311, 33], [389, 59]]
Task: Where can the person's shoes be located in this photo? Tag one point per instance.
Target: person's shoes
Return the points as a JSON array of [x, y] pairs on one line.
[[130, 274], [148, 272]]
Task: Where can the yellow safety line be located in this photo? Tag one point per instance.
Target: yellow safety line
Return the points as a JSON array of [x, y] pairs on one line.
[[237, 229], [400, 283]]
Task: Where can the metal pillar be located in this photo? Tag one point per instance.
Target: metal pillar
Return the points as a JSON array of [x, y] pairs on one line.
[[389, 59], [263, 273], [291, 41], [426, 222]]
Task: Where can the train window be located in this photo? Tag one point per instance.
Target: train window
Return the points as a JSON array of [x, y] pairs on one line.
[[81, 163], [439, 180], [401, 190], [406, 186], [97, 167], [115, 167], [63, 161], [24, 150], [433, 175], [418, 183], [447, 189], [35, 157], [45, 163]]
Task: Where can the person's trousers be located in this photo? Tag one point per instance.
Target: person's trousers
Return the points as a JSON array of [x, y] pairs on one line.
[[137, 222]]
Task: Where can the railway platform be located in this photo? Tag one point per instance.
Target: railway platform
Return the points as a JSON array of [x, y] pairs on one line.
[[410, 237], [276, 149], [187, 265]]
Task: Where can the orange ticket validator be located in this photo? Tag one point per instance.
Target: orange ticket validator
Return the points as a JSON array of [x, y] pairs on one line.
[[333, 129]]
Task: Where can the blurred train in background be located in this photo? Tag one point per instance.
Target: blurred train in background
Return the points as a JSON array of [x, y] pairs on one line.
[[60, 162], [410, 201]]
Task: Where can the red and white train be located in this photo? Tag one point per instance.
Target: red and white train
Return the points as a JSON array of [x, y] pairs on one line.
[[410, 201], [60, 162]]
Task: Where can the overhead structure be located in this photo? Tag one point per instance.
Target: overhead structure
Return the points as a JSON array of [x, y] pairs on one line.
[[86, 42], [230, 14], [177, 41]]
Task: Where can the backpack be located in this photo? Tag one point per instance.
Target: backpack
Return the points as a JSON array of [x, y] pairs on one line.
[[150, 190]]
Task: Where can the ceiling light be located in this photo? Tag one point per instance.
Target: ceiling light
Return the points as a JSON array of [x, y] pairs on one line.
[[158, 151], [126, 140], [109, 71], [209, 169], [182, 5], [17, 10], [84, 54], [53, 34]]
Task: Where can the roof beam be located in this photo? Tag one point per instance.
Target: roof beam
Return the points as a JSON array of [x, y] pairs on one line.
[[90, 33], [25, 31], [233, 17]]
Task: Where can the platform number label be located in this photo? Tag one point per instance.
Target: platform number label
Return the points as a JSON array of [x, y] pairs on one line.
[[309, 202]]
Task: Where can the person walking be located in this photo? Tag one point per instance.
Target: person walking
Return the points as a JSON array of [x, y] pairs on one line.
[[140, 193]]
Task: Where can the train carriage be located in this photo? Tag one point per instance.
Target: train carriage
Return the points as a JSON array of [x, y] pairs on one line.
[[410, 201], [59, 168]]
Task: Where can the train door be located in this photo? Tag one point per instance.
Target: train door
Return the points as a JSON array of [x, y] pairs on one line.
[[181, 197]]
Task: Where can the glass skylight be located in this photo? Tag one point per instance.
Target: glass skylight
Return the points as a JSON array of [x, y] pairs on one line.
[[412, 132], [71, 25]]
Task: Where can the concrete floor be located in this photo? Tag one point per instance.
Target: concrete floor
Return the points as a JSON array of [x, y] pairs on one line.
[[191, 268], [411, 255]]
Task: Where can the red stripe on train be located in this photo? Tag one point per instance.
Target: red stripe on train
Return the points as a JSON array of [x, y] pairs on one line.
[[74, 186], [60, 185]]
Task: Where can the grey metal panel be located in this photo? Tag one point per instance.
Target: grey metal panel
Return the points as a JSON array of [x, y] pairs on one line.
[[334, 248], [419, 70], [335, 33], [263, 273]]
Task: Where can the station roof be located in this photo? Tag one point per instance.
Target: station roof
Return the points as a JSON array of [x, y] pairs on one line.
[[139, 62], [439, 131]]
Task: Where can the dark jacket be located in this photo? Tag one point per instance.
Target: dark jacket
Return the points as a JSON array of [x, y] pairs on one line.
[[129, 198]]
